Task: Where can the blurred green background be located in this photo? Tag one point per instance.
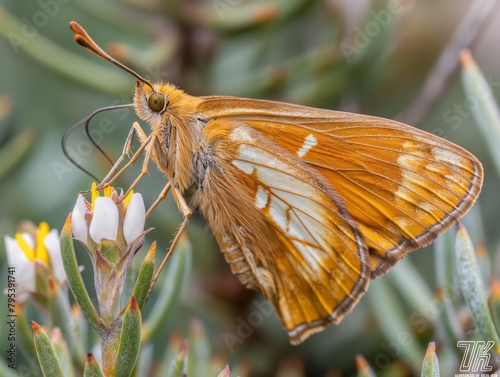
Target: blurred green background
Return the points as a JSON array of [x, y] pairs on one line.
[[370, 57]]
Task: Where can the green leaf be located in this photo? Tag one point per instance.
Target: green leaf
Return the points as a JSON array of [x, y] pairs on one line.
[[62, 61], [472, 287], [62, 352], [446, 289], [130, 341], [145, 276], [394, 323], [494, 300], [199, 349], [51, 367], [486, 112], [14, 151], [430, 366], [75, 280], [60, 315], [92, 368], [178, 364]]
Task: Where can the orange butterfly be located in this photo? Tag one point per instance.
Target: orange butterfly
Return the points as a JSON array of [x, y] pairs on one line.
[[307, 205]]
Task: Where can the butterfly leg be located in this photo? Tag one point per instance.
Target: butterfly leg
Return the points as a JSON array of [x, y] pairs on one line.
[[145, 141], [186, 212], [145, 167], [162, 196]]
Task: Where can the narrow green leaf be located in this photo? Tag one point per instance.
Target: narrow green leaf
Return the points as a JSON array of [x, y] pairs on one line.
[[25, 334], [394, 323], [430, 366], [412, 286], [130, 341], [143, 365], [75, 280], [472, 287], [486, 112], [92, 368], [170, 353], [494, 301], [178, 267], [62, 61], [364, 369], [51, 367], [178, 364], [63, 352], [199, 349], [447, 290], [145, 276], [60, 314], [14, 151]]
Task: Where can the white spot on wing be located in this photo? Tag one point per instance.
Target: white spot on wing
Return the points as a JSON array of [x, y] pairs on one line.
[[241, 134], [309, 142], [261, 198], [446, 156]]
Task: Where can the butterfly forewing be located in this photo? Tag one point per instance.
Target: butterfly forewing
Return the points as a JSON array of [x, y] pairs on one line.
[[395, 186]]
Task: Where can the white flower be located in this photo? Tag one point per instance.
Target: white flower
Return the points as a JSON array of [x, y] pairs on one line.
[[135, 218], [24, 268], [104, 224], [25, 250], [78, 223]]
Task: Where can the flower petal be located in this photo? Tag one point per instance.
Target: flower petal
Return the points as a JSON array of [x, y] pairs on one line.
[[135, 218], [24, 269], [79, 225], [104, 224], [51, 242]]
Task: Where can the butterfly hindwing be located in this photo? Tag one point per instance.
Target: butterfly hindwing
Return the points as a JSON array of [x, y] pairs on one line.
[[300, 249]]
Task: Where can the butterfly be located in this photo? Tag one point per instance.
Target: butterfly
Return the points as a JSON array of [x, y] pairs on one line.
[[307, 205]]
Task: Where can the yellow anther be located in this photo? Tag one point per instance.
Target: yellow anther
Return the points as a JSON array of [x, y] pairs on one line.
[[27, 250], [41, 252], [95, 195], [126, 201], [107, 191]]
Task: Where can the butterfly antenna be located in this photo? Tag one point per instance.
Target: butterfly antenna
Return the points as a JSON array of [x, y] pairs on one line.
[[86, 121], [84, 40]]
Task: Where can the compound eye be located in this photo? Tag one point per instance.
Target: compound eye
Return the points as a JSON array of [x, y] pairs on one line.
[[156, 102]]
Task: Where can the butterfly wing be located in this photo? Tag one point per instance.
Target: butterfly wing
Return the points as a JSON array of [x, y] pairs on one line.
[[401, 186], [322, 201]]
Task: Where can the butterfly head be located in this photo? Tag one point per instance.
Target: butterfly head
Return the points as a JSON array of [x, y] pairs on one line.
[[151, 101]]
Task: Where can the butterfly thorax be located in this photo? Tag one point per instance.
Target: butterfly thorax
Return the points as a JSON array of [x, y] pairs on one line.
[[179, 148]]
